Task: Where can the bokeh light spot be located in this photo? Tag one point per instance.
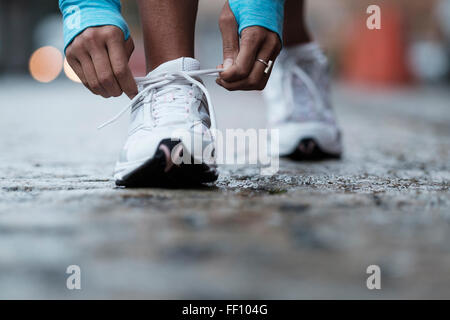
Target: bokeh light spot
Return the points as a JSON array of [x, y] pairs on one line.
[[70, 73], [46, 63]]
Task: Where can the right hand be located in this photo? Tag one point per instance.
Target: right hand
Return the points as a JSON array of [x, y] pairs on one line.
[[99, 56]]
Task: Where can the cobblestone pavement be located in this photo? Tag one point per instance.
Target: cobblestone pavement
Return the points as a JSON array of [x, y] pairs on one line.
[[309, 231]]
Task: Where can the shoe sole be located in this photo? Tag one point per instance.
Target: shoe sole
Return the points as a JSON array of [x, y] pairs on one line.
[[310, 141], [309, 150], [153, 174]]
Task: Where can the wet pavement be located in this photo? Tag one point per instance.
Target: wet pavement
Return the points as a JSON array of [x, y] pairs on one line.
[[310, 231]]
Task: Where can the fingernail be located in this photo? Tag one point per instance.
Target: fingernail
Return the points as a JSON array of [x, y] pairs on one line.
[[227, 63]]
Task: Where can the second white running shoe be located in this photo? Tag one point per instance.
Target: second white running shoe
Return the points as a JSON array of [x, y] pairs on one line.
[[170, 122], [299, 104]]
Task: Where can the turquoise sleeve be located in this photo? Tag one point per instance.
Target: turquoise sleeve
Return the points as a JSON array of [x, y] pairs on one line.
[[264, 13], [81, 14]]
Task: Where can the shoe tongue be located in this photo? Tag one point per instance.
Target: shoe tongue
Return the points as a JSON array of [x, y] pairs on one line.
[[181, 64]]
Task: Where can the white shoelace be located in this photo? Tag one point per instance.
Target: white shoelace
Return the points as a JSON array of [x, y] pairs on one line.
[[167, 80], [292, 70]]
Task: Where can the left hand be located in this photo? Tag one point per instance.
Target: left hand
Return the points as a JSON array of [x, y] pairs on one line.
[[243, 71]]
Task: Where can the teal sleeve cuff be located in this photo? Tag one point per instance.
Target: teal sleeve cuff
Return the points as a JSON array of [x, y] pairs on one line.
[[81, 14], [264, 13]]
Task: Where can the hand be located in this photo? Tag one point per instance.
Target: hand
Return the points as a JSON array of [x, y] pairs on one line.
[[99, 56], [243, 71]]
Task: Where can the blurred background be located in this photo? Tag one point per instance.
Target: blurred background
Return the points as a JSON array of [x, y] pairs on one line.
[[412, 47], [310, 231]]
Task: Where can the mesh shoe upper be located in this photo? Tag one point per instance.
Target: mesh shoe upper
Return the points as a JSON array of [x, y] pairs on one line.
[[298, 90]]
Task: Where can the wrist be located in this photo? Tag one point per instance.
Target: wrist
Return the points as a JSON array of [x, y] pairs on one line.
[[264, 13], [78, 15]]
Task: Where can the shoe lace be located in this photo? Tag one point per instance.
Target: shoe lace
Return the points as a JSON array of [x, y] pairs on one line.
[[293, 70], [159, 86]]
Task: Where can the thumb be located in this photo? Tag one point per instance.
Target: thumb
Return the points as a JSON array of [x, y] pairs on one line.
[[230, 36]]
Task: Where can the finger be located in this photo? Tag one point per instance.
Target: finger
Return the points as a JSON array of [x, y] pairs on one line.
[[91, 76], [249, 47], [104, 72], [257, 79], [119, 63], [76, 67], [230, 36]]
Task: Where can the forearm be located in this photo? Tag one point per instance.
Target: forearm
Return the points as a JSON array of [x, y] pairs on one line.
[[81, 14]]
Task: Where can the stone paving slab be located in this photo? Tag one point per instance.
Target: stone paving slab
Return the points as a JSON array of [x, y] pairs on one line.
[[310, 231]]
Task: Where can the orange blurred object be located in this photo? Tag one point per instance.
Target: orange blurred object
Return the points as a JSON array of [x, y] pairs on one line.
[[70, 73], [377, 57], [46, 63]]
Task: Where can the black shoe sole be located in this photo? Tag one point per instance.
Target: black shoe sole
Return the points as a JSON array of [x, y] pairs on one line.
[[152, 173], [308, 150]]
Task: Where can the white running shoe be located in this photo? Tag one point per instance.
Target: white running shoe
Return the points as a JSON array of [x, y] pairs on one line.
[[299, 104], [169, 131]]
